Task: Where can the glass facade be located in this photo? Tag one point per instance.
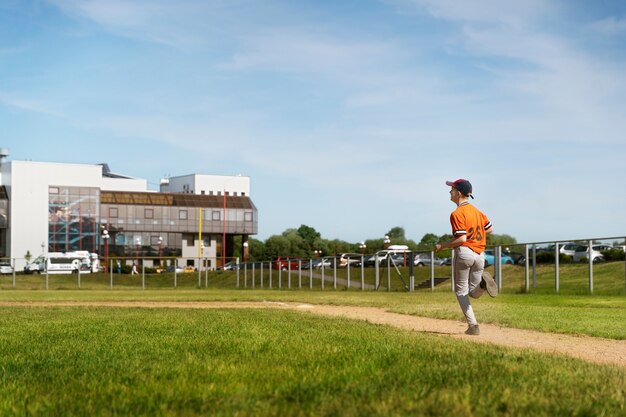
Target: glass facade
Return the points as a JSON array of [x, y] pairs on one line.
[[73, 214], [142, 224], [135, 221]]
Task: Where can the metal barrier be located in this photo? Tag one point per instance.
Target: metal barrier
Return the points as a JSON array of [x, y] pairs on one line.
[[530, 254]]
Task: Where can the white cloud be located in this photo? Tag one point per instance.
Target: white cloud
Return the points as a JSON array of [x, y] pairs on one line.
[[610, 26]]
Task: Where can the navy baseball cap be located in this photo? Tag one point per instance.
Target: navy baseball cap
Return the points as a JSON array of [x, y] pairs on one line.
[[464, 186]]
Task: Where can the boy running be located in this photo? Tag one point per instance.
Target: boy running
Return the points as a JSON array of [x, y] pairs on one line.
[[470, 228]]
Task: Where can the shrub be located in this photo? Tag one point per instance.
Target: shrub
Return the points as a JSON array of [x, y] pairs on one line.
[[613, 254]]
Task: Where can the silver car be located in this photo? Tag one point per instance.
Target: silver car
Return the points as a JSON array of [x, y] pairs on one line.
[[582, 252], [6, 268], [423, 259]]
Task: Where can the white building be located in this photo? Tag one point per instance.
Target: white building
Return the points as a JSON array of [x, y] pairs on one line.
[[56, 207]]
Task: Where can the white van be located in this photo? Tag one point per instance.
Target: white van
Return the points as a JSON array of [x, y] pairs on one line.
[[384, 254]]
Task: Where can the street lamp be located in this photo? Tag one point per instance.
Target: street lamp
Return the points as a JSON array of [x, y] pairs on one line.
[[362, 246], [317, 252], [105, 239], [245, 251], [387, 241]]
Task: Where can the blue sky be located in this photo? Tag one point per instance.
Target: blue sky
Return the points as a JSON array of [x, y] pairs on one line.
[[349, 116]]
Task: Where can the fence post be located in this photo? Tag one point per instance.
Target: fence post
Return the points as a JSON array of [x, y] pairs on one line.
[[556, 266], [46, 267], [245, 275], [143, 275], [237, 268], [388, 272], [253, 270], [590, 267], [175, 273], [526, 269], [311, 274], [78, 276], [299, 274], [534, 266], [323, 278], [411, 272], [348, 272], [497, 260], [111, 273], [377, 271], [362, 273], [13, 266], [432, 271], [288, 273], [335, 272]]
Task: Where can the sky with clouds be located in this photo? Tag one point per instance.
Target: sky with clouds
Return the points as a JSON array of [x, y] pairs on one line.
[[348, 116]]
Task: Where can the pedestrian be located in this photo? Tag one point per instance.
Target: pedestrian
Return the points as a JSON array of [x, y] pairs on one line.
[[134, 270], [470, 228]]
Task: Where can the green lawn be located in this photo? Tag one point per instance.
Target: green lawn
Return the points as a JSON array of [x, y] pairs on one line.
[[96, 361]]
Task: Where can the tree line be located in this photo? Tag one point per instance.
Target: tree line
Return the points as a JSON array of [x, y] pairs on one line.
[[305, 242]]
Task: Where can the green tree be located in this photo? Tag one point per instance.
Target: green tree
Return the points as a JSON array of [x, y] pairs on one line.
[[428, 241], [500, 240], [309, 234], [397, 234], [277, 246]]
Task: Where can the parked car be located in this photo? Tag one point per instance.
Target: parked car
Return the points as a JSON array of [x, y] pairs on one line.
[[177, 269], [382, 255], [518, 258], [400, 259], [317, 263], [348, 258], [489, 256], [6, 268], [568, 249], [286, 263], [423, 259], [582, 252], [229, 266]]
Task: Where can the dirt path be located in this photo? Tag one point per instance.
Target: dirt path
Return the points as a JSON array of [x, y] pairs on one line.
[[592, 349]]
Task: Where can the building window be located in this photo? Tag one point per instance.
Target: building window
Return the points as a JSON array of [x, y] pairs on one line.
[[182, 215], [215, 215], [148, 213], [113, 212], [247, 216]]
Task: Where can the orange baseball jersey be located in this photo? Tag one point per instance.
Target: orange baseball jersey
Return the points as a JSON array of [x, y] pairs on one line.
[[468, 220]]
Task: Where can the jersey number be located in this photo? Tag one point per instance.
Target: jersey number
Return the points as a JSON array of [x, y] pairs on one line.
[[476, 235]]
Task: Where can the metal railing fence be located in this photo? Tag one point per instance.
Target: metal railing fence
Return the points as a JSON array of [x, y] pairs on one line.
[[266, 274]]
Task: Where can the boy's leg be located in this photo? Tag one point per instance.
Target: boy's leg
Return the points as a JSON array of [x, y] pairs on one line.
[[463, 260]]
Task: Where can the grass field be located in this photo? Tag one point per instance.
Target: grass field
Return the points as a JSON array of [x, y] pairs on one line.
[[104, 361], [68, 361]]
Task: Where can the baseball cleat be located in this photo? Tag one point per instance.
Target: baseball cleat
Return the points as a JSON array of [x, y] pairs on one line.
[[473, 330], [489, 284]]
